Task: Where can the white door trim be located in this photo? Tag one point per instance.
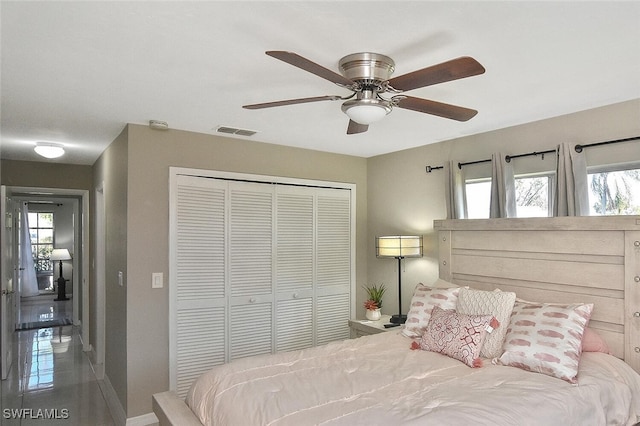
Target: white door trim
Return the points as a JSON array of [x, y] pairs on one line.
[[100, 279], [83, 246]]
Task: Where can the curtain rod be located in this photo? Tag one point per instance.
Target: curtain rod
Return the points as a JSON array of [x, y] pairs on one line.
[[47, 203], [508, 158], [578, 148], [432, 168], [468, 163]]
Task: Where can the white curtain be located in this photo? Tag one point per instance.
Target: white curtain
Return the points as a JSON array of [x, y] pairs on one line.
[[456, 195], [27, 269], [503, 188], [571, 195]]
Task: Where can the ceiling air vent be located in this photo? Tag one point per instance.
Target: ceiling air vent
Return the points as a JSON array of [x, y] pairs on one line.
[[235, 131]]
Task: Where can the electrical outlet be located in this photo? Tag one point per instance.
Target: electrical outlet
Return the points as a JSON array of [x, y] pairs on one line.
[[156, 280]]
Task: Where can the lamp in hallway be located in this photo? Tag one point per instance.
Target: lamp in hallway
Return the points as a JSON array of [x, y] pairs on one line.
[[60, 255], [399, 247]]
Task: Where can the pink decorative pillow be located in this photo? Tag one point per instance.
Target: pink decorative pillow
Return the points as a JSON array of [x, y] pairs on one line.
[[592, 342], [546, 338], [423, 300], [456, 335]]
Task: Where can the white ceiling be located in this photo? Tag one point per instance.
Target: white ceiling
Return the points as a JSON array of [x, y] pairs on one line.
[[76, 72]]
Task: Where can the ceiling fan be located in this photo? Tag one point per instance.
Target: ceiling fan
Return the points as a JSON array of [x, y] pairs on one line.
[[367, 75]]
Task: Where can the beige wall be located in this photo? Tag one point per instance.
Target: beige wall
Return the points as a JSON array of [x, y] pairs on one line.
[[46, 175], [404, 199], [150, 154], [111, 174]]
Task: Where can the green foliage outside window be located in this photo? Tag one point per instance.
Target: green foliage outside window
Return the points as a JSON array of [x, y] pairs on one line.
[[41, 231], [615, 192]]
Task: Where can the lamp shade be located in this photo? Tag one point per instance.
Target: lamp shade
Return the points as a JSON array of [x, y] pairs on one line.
[[60, 254], [399, 246]]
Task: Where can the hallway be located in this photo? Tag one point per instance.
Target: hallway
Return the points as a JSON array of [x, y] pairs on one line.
[[51, 381]]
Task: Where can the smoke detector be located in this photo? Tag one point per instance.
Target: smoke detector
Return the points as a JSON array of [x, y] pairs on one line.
[[158, 125]]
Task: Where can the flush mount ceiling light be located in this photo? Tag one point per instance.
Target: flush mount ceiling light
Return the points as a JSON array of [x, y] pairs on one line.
[[49, 150]]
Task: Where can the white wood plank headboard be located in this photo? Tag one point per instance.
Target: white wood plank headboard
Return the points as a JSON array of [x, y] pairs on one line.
[[564, 259]]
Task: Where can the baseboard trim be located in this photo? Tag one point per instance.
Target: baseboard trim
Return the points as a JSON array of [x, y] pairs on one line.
[[116, 410], [143, 420], [110, 396], [98, 369]]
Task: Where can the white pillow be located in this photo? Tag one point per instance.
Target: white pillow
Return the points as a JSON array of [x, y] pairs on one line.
[[546, 338], [422, 303], [496, 303]]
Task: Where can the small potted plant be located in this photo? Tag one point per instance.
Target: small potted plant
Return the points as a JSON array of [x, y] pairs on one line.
[[373, 304]]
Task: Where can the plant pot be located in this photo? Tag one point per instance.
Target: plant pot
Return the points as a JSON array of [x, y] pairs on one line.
[[373, 314]]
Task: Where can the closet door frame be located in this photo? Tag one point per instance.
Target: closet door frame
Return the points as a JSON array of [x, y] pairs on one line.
[[174, 172]]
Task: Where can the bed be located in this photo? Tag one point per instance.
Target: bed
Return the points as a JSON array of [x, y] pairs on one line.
[[549, 264]]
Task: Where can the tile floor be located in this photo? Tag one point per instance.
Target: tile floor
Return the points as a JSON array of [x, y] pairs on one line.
[[51, 381], [44, 308]]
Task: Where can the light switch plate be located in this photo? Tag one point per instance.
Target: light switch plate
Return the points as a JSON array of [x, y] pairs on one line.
[[157, 280]]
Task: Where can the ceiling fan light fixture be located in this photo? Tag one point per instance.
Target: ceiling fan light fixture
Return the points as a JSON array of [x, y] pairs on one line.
[[49, 150], [366, 111], [374, 93]]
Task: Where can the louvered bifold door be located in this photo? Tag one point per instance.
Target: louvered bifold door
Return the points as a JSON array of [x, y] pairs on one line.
[[333, 264], [251, 228], [197, 290], [294, 267]]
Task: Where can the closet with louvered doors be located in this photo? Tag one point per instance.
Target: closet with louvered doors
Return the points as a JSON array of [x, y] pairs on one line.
[[255, 268]]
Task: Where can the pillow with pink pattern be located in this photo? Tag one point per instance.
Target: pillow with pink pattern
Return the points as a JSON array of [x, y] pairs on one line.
[[458, 336], [423, 300], [546, 338]]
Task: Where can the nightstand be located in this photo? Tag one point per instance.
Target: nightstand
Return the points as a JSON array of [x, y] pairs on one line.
[[365, 327]]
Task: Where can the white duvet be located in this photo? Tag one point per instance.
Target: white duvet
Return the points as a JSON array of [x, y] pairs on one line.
[[378, 380]]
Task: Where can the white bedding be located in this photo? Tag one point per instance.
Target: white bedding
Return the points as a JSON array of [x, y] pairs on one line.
[[378, 380]]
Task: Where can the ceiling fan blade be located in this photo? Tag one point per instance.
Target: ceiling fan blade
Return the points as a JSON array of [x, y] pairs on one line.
[[356, 128], [446, 71], [292, 102], [305, 64], [436, 108]]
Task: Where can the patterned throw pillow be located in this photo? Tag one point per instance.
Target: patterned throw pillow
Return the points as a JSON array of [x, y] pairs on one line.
[[546, 338], [423, 300], [456, 335], [496, 303]]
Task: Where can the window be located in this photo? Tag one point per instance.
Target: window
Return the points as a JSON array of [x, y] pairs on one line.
[[614, 191], [478, 193], [532, 196], [41, 231]]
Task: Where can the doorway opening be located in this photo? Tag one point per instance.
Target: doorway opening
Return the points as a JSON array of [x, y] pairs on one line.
[[58, 222], [48, 245]]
